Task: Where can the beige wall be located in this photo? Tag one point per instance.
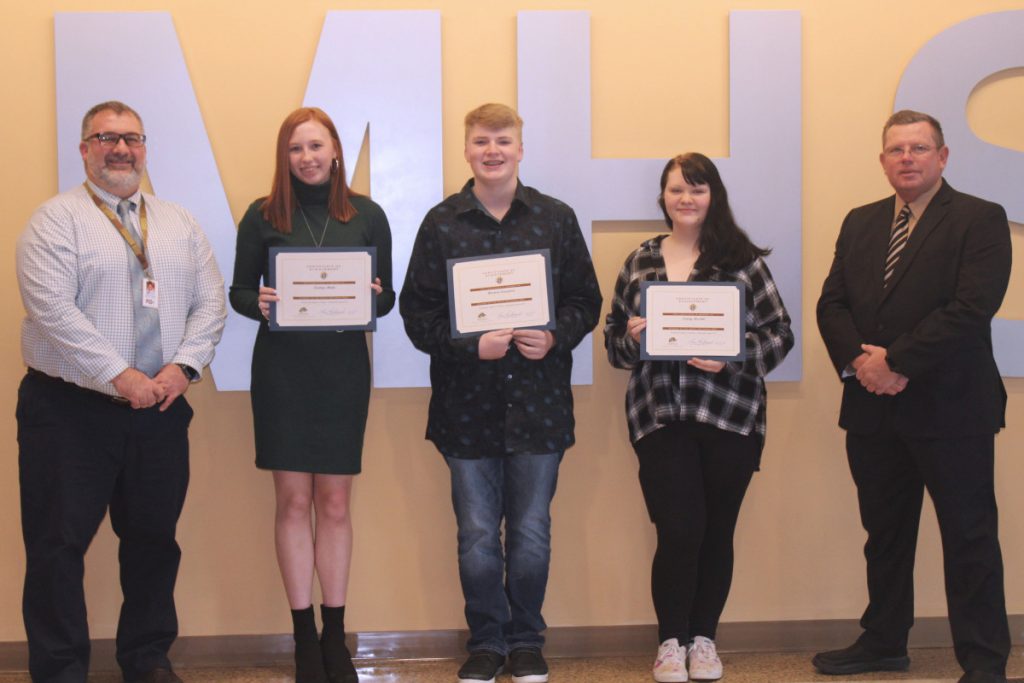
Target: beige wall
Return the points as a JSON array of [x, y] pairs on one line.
[[798, 543]]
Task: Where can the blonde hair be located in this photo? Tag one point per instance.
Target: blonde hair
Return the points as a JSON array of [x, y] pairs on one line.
[[494, 117]]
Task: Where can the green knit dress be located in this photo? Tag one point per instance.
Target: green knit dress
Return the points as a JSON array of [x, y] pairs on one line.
[[310, 391]]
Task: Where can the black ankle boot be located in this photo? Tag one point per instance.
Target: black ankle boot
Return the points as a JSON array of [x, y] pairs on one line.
[[309, 663], [337, 658]]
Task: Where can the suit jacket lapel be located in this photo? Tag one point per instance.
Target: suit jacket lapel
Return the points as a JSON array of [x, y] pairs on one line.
[[936, 211], [877, 245]]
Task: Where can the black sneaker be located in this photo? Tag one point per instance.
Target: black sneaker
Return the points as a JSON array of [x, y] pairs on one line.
[[528, 666], [483, 665]]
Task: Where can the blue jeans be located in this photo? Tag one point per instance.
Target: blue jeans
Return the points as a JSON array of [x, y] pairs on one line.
[[504, 587]]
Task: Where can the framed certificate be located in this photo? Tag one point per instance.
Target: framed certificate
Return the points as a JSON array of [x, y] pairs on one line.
[[326, 289], [497, 292], [693, 320]]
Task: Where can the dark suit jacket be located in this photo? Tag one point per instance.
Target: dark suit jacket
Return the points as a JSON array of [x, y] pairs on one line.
[[934, 318]]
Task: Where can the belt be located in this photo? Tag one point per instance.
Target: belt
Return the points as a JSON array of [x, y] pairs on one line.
[[116, 400]]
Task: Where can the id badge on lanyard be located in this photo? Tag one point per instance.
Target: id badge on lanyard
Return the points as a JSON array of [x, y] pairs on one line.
[[150, 293], [150, 287]]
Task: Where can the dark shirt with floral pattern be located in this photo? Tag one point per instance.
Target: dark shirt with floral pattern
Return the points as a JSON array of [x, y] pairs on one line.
[[512, 405]]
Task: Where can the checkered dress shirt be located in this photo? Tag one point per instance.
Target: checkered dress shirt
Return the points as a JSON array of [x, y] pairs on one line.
[[661, 392], [74, 272]]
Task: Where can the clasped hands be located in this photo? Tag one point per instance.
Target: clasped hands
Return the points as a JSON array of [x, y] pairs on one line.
[[874, 373], [532, 344], [143, 392]]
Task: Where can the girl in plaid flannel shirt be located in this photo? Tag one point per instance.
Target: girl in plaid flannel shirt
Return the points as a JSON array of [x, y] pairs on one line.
[[697, 426]]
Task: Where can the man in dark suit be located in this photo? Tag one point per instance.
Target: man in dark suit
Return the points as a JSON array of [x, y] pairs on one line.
[[906, 314]]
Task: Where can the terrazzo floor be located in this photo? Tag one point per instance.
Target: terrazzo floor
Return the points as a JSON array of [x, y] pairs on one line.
[[928, 666]]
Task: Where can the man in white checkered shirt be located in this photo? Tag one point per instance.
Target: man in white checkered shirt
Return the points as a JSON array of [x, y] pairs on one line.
[[124, 305]]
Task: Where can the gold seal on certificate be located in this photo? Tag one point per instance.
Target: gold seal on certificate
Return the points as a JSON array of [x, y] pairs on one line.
[[323, 289], [498, 292], [693, 320]]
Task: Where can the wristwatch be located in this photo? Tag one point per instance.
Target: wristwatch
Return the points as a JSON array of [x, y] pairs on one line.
[[191, 374]]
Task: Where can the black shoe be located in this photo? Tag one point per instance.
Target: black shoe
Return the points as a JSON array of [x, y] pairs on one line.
[[982, 677], [309, 662], [337, 657], [338, 660], [159, 676], [857, 659], [527, 666], [482, 665]]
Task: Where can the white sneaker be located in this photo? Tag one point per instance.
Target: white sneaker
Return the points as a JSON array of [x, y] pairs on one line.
[[703, 660], [670, 666]]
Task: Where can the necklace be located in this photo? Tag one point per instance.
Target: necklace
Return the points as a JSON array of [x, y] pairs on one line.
[[311, 235]]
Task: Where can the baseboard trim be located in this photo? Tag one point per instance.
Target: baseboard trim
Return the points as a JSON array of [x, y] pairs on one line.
[[562, 641]]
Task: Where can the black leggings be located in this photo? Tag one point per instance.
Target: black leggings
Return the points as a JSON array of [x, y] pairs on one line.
[[694, 477]]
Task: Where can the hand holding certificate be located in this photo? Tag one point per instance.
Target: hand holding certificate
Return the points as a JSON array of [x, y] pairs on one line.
[[693, 320], [501, 292], [323, 289]]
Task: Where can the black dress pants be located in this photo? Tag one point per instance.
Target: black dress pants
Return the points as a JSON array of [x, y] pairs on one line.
[[80, 454], [892, 473]]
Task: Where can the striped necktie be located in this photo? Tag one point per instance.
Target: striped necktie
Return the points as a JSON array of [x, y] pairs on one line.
[[900, 233]]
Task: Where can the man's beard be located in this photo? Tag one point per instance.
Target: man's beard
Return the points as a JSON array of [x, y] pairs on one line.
[[118, 180], [122, 180]]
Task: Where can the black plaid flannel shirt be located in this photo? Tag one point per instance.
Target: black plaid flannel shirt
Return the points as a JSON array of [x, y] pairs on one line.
[[661, 392]]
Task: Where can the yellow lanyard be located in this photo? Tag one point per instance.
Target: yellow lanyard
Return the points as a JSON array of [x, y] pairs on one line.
[[138, 250]]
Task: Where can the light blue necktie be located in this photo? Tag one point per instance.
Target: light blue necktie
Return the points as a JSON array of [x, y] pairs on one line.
[[148, 349]]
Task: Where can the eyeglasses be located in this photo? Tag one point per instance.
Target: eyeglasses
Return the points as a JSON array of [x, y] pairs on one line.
[[913, 150], [112, 139]]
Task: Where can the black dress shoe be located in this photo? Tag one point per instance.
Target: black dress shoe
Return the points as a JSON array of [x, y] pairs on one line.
[[159, 676], [857, 659], [982, 677]]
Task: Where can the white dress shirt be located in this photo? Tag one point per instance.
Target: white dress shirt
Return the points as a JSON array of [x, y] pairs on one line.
[[74, 274]]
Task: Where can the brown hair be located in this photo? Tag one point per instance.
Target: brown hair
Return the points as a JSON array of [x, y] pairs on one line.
[[281, 202], [494, 117], [722, 243], [905, 117], [114, 106]]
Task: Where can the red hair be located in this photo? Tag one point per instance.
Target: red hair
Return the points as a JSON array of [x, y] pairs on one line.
[[281, 202]]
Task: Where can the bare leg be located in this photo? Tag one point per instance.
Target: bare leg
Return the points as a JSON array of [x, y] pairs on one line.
[[332, 495], [293, 535]]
